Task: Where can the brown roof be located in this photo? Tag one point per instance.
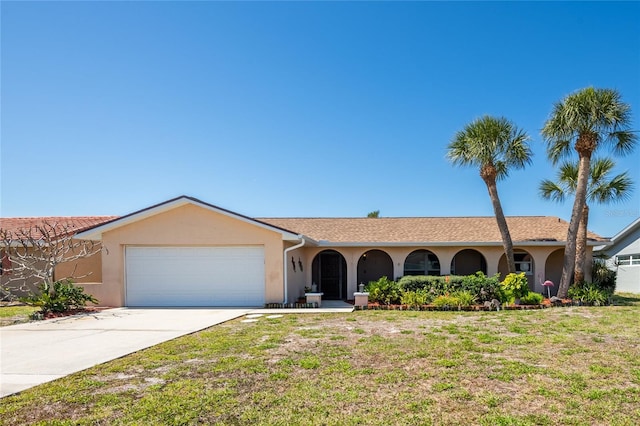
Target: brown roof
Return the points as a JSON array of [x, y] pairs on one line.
[[372, 230], [75, 223], [427, 229]]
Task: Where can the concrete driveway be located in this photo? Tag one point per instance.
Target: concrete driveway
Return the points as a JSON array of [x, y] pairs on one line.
[[38, 352]]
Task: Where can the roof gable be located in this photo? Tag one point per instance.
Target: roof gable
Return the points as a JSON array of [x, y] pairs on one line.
[[95, 233]]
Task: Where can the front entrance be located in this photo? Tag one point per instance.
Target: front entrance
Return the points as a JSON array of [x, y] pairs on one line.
[[329, 272]]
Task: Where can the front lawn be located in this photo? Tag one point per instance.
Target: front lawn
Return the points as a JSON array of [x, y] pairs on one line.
[[575, 365], [15, 314]]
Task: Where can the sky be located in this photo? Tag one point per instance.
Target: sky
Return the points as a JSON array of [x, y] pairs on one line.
[[295, 109]]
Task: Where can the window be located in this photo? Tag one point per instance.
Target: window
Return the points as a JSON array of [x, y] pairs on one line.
[[523, 263], [629, 259], [422, 262]]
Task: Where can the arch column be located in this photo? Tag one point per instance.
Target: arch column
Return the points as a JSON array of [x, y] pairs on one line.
[[492, 256]]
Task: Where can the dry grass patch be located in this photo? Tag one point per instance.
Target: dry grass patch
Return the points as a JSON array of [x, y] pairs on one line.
[[554, 366]]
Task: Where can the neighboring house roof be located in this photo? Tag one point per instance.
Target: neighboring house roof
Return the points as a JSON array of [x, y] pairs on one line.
[[629, 229], [16, 225], [626, 231], [524, 230], [95, 233]]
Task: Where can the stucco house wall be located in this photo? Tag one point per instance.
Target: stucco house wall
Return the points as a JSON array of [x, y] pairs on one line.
[[188, 225], [85, 271]]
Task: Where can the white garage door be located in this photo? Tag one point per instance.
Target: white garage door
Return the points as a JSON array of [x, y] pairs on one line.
[[195, 276]]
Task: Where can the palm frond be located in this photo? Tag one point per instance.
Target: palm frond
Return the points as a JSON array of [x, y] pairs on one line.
[[598, 112], [623, 141], [618, 189], [550, 190], [494, 141]]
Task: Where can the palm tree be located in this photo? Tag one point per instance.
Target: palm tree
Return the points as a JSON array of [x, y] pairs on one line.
[[495, 146], [601, 189], [589, 119]]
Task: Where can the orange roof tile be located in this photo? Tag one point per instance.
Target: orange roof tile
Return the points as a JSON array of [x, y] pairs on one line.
[[75, 223]]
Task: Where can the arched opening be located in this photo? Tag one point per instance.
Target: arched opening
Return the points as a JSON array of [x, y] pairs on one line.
[[329, 273], [468, 262], [524, 263], [553, 270], [421, 262], [374, 265]]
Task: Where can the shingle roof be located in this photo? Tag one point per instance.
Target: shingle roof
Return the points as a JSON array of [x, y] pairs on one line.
[[373, 230], [75, 223], [427, 229]]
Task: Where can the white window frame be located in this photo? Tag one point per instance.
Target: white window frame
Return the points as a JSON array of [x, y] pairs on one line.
[[628, 260]]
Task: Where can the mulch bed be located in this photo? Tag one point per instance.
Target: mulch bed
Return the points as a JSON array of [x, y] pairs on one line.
[[71, 312], [545, 304]]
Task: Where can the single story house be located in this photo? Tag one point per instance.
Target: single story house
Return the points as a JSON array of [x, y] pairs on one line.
[[186, 252], [623, 256]]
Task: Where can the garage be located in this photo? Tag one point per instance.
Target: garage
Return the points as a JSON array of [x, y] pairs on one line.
[[195, 276]]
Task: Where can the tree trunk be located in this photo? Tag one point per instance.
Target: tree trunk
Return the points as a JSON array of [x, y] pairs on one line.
[[581, 247], [502, 224], [572, 233]]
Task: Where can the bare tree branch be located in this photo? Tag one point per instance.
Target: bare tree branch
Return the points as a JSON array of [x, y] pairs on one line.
[[34, 253]]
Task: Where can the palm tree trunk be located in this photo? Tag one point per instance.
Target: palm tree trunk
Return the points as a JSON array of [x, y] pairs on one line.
[[581, 247], [569, 264], [502, 224]]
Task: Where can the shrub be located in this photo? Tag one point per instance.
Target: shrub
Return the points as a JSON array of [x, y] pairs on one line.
[[433, 284], [464, 298], [415, 298], [589, 294], [60, 297], [484, 288], [532, 299], [515, 285], [445, 300], [384, 291], [457, 298], [603, 277]]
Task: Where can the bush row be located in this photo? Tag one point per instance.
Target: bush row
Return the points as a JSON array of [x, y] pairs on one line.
[[451, 290]]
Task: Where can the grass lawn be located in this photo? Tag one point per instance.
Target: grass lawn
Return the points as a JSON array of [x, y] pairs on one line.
[[560, 366], [14, 314]]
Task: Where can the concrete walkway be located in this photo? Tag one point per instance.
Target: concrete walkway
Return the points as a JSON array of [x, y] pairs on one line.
[[42, 351]]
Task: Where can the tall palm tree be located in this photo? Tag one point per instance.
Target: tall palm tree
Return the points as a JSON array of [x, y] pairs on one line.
[[590, 119], [494, 145], [601, 189]]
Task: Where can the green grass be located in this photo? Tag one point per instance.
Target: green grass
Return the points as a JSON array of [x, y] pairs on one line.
[[15, 314], [576, 366]]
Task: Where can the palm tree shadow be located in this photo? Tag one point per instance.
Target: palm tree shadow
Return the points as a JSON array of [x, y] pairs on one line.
[[626, 299]]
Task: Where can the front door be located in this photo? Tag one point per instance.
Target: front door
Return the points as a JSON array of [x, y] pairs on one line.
[[330, 272]]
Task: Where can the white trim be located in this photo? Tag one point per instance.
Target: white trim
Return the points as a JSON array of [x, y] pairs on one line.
[[96, 232], [620, 235], [628, 229], [286, 267]]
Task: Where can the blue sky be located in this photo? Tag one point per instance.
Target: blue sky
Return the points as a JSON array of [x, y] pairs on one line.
[[294, 108]]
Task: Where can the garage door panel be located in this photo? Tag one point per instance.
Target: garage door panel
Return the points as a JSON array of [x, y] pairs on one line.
[[195, 276]]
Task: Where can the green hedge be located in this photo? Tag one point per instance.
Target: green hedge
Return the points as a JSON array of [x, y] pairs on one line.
[[424, 289], [479, 285]]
